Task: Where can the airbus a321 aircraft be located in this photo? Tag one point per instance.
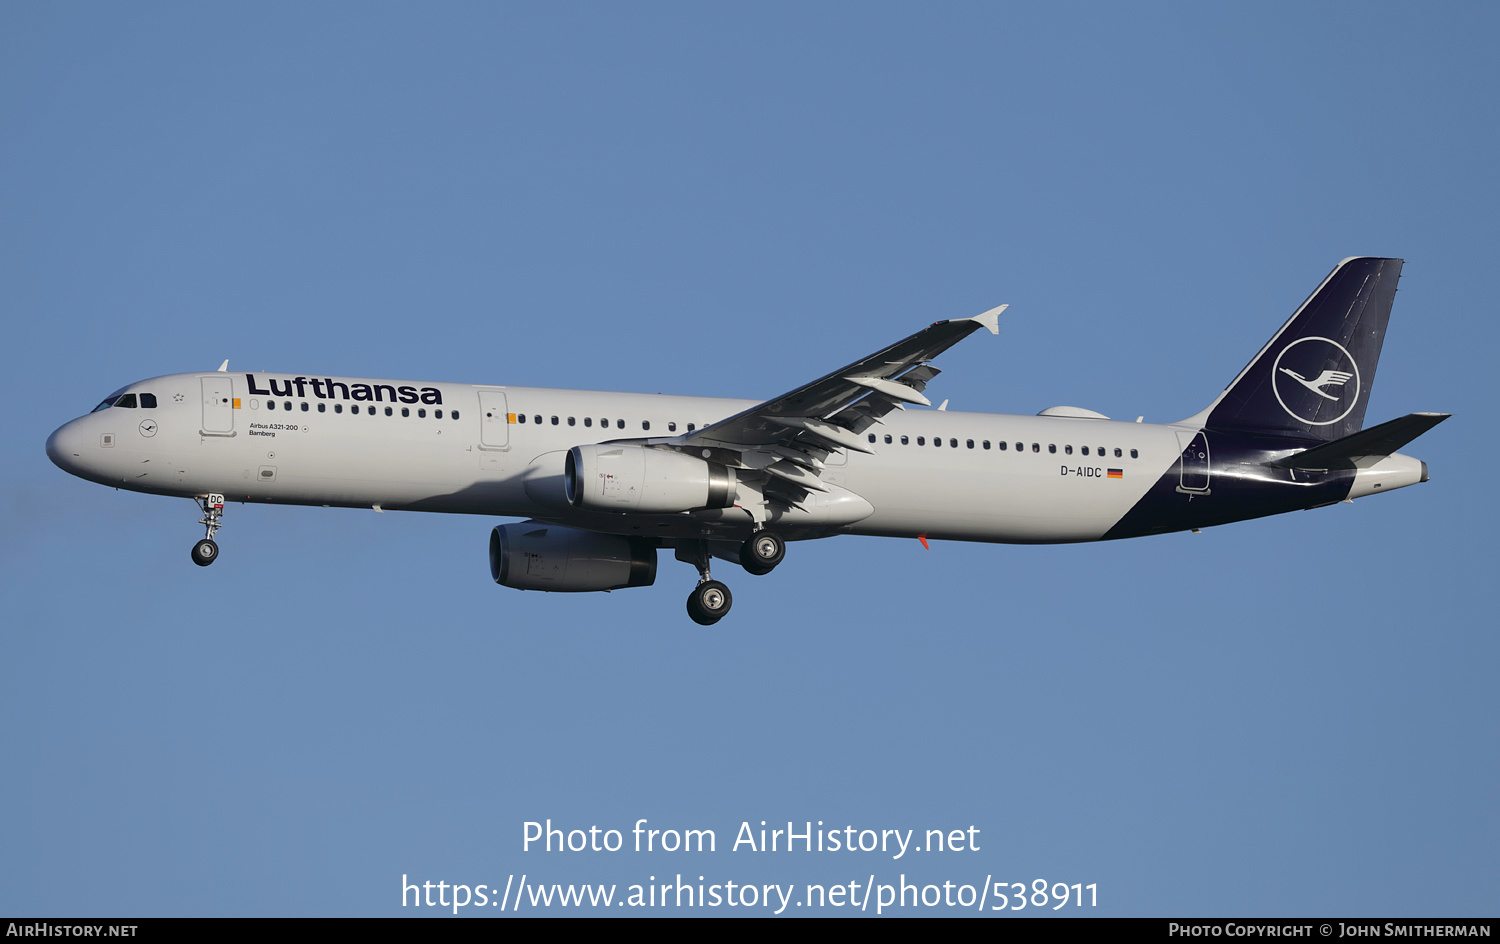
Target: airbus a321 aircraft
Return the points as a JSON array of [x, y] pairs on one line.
[[607, 480]]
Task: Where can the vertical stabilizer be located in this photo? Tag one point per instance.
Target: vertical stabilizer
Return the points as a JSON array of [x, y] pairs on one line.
[[1313, 379]]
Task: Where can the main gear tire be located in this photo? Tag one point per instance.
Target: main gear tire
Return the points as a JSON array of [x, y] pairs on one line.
[[762, 552], [709, 602]]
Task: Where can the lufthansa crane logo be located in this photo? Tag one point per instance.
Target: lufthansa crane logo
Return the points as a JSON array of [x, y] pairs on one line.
[[1318, 366]]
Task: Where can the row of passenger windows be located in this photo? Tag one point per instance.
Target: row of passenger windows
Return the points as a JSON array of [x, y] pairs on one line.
[[147, 401], [536, 419], [128, 401], [1020, 447], [354, 409]]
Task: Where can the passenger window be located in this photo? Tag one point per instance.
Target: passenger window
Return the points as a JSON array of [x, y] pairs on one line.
[[905, 441], [286, 405], [322, 408], [453, 414], [537, 420], [645, 424], [588, 421], [619, 424], [338, 408], [1021, 447], [389, 411], [1002, 445], [1117, 452], [270, 404], [305, 407], [572, 421], [1052, 448], [437, 414], [604, 424], [887, 439], [953, 443], [148, 401], [1067, 450], [672, 427], [971, 444], [921, 440], [520, 417], [554, 421], [406, 411], [1134, 454], [1101, 450], [872, 437], [986, 444], [1085, 450], [937, 440], [692, 426], [421, 413]]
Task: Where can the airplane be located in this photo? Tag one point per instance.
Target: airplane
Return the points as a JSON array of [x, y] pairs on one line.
[[606, 480]]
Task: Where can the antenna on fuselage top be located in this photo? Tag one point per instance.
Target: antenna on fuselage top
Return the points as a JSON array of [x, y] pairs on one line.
[[224, 366]]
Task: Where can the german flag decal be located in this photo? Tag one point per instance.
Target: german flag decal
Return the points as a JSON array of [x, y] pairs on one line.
[[1117, 473]]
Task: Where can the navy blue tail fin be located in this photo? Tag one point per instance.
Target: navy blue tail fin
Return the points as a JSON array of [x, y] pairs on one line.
[[1313, 379]]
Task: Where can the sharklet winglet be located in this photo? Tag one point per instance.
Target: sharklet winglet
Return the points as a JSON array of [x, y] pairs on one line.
[[991, 318]]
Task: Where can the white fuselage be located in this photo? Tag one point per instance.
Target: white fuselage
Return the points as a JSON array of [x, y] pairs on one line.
[[466, 449]]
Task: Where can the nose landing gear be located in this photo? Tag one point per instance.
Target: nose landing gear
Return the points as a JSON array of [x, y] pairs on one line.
[[205, 552]]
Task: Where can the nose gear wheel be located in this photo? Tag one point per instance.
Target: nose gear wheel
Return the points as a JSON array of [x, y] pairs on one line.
[[205, 552]]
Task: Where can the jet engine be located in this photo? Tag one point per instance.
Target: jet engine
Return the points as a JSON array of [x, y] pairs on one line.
[[629, 478], [536, 556]]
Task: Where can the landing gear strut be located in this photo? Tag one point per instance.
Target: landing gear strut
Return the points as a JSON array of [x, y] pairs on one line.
[[205, 552], [762, 552], [710, 600]]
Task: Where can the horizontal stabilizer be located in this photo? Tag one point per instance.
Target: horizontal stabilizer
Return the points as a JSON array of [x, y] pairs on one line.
[[1373, 443]]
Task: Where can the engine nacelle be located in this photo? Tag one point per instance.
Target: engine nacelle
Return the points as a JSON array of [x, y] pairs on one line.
[[629, 478], [536, 556]]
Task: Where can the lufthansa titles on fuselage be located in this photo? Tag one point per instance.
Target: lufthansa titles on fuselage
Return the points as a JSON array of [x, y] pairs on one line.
[[298, 386]]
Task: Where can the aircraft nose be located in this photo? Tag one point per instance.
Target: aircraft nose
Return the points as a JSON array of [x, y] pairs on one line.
[[65, 447]]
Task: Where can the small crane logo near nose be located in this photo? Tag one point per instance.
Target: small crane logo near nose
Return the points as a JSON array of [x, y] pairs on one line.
[[148, 428]]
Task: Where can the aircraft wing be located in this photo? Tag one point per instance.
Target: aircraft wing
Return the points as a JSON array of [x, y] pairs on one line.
[[789, 436]]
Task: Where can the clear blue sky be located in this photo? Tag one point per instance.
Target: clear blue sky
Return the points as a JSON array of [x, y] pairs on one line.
[[1294, 716]]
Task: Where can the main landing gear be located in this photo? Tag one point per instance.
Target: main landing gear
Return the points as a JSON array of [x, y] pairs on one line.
[[710, 600], [762, 552], [205, 552]]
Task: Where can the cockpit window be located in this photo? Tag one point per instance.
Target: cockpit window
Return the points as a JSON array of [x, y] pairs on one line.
[[109, 401], [125, 400]]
